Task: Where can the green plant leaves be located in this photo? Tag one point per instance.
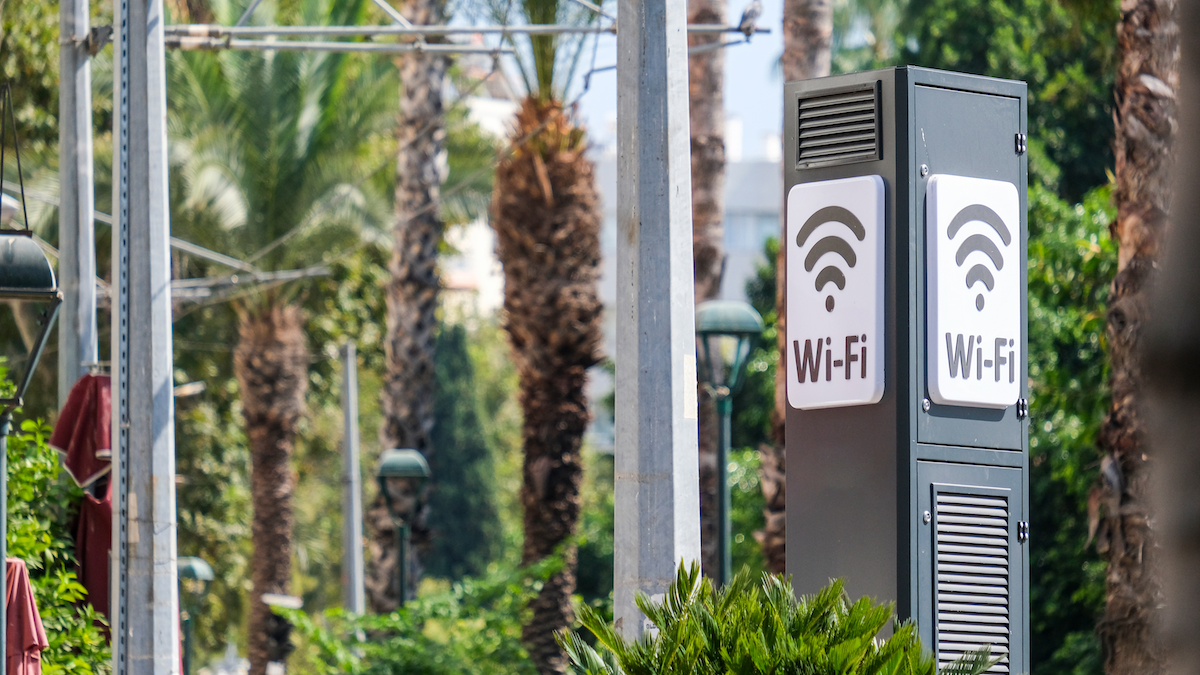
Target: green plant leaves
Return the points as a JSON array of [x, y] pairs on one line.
[[757, 626]]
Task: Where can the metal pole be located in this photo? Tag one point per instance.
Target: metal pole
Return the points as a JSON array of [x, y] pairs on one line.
[[5, 426], [352, 529], [146, 612], [215, 44], [187, 644], [657, 472], [213, 30], [402, 563], [77, 342], [724, 511]]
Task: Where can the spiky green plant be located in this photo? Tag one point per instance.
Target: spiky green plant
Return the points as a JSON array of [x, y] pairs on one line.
[[748, 628]]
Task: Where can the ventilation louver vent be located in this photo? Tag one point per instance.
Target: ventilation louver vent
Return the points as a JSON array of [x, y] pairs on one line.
[[972, 577], [839, 128]]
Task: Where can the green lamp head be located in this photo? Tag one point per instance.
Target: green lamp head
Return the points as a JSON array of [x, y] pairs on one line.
[[26, 276], [724, 329]]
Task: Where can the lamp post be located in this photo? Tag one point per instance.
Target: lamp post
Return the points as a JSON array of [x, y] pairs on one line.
[[404, 466], [25, 276], [723, 332], [194, 575]]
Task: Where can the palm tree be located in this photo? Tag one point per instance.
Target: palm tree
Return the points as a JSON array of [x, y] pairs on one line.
[[706, 82], [412, 294], [545, 213], [268, 148], [1147, 80], [807, 37]]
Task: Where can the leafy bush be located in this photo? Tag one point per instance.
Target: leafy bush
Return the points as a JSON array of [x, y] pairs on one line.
[[473, 627], [747, 629], [41, 503]]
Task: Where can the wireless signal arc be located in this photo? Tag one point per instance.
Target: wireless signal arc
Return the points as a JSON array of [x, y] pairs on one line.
[[979, 243], [830, 244]]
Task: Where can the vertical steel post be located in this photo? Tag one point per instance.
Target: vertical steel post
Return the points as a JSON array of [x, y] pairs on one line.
[[657, 472], [146, 613], [352, 529], [77, 342]]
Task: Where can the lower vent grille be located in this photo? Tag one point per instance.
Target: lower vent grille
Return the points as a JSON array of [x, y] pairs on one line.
[[972, 567], [839, 128]]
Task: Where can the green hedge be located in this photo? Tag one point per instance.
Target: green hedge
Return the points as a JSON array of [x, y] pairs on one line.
[[749, 628]]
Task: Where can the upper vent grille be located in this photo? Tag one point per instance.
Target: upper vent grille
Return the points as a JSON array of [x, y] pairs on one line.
[[839, 128], [972, 577]]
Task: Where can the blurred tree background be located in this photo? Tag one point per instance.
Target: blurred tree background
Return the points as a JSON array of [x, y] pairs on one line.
[[1064, 49]]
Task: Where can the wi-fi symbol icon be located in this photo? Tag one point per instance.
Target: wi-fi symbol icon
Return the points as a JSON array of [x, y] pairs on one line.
[[830, 244], [981, 243]]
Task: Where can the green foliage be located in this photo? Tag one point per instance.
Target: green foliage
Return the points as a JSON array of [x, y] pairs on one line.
[[594, 569], [29, 60], [462, 505], [473, 627], [278, 148], [756, 625], [42, 501], [1071, 262], [746, 516]]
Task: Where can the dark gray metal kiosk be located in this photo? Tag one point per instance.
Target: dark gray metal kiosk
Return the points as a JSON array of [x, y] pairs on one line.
[[906, 245]]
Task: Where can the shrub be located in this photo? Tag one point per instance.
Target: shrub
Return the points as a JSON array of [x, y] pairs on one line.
[[41, 502], [474, 627], [757, 629]]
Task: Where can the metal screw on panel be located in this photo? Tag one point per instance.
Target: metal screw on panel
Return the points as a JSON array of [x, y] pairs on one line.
[[924, 169], [926, 405], [927, 517]]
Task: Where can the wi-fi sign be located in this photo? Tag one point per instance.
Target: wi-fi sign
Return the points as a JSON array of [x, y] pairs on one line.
[[974, 271], [835, 340]]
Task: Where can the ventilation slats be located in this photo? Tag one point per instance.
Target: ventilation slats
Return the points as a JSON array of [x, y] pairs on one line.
[[839, 128], [972, 571]]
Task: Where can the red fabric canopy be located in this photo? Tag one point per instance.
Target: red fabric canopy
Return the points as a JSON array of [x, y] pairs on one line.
[[26, 635], [83, 434]]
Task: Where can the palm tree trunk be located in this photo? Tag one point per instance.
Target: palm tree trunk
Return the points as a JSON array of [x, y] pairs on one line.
[[412, 298], [706, 82], [546, 217], [1147, 79], [271, 363], [807, 36]]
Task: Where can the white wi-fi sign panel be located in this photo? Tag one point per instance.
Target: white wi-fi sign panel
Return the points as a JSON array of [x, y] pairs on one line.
[[834, 354], [973, 235]]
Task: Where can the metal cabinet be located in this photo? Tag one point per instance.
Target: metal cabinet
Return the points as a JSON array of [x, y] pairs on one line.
[[862, 475]]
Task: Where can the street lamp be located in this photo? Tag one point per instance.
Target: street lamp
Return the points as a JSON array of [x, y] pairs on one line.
[[25, 276], [194, 575], [406, 469], [724, 329]]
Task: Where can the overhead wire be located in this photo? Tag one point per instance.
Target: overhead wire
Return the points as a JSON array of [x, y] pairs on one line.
[[248, 12]]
